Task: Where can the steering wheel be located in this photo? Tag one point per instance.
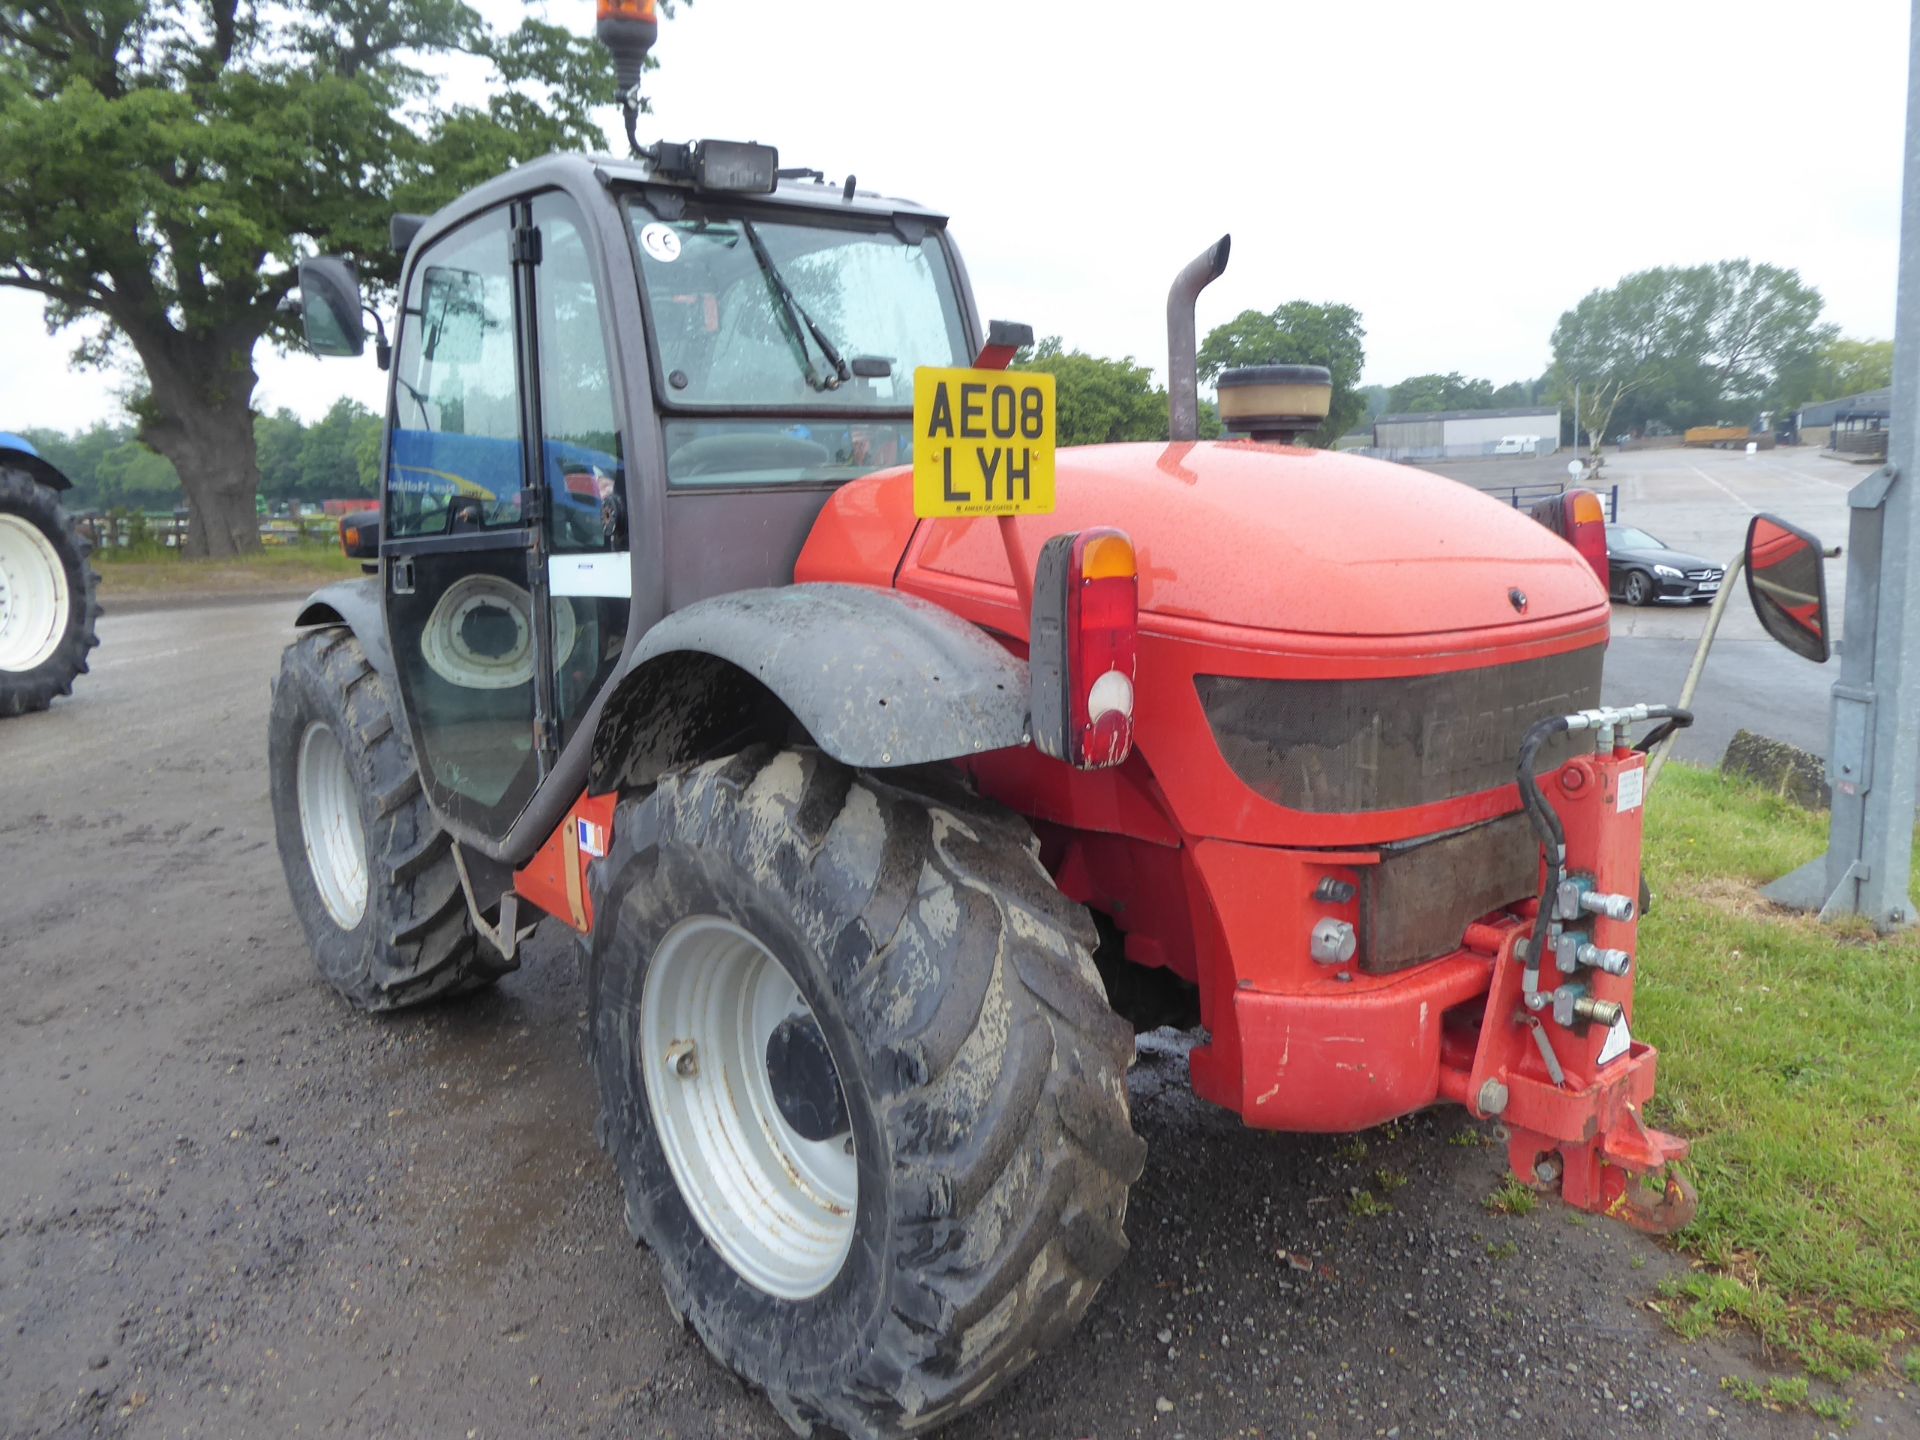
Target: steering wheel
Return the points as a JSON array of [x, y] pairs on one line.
[[723, 454]]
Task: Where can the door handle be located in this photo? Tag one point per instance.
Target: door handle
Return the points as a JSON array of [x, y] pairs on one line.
[[400, 567]]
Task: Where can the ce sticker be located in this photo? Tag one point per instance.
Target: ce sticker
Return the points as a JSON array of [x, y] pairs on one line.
[[662, 242]]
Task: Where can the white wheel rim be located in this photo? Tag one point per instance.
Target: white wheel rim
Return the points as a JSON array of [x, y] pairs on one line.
[[330, 825], [444, 642], [778, 1207], [33, 595]]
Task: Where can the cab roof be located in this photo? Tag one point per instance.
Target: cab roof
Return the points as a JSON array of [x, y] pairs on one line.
[[575, 172]]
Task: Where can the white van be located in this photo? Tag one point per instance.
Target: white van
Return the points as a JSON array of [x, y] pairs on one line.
[[1517, 445]]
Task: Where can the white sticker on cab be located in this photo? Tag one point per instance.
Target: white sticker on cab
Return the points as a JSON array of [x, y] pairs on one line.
[[662, 242]]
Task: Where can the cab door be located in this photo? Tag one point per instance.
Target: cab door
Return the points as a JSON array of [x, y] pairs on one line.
[[465, 592], [589, 567]]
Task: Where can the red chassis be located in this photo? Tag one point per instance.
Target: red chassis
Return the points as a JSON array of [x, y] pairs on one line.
[[1219, 884]]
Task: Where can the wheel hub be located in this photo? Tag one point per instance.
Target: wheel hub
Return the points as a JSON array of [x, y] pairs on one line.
[[34, 602], [806, 1088], [749, 1108]]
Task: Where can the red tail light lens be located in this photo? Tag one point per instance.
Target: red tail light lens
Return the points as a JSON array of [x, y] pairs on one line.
[[1578, 517], [1084, 644], [1587, 519]]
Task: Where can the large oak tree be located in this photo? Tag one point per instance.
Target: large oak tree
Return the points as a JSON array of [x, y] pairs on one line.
[[164, 164]]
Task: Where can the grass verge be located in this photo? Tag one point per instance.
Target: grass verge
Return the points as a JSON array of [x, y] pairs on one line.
[[155, 573], [1790, 1053]]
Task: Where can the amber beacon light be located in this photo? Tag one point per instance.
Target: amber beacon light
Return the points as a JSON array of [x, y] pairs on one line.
[[628, 29]]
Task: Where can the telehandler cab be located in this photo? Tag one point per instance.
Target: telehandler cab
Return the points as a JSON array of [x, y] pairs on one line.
[[736, 612]]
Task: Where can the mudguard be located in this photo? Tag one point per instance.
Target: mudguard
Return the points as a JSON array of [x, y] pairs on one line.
[[877, 678], [355, 604], [19, 454]]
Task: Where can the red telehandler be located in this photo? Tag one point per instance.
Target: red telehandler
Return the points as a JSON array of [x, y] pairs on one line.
[[736, 612]]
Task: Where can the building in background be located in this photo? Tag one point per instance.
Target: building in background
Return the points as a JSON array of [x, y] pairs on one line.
[[1462, 434], [1855, 424]]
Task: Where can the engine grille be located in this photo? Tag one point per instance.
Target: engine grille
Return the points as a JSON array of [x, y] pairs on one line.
[[1338, 747], [1706, 574], [1418, 901]]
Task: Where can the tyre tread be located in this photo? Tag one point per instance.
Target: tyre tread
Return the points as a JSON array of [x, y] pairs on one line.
[[24, 692], [423, 945], [1013, 1147]]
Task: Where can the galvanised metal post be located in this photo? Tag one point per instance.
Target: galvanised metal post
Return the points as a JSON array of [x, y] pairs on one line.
[[1873, 758]]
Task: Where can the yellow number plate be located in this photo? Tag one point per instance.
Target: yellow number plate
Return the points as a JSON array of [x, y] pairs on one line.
[[982, 443]]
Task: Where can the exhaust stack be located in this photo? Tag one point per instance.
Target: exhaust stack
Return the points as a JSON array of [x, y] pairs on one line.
[[1183, 378]]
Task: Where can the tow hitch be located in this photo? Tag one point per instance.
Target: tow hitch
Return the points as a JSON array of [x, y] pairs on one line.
[[1556, 1062]]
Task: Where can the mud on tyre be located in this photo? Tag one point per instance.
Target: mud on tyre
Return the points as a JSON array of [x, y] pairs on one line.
[[944, 1030], [49, 605], [370, 871]]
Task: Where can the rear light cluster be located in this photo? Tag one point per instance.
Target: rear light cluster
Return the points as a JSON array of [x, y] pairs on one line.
[[1084, 644], [1578, 518]]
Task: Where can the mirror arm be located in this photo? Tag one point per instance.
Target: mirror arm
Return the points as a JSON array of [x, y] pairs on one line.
[[382, 351], [1657, 758]]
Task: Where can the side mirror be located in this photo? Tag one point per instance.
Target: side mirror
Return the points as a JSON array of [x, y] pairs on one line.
[[1787, 582], [330, 306]]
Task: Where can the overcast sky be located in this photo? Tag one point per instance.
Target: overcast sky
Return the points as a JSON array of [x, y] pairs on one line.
[[1460, 173]]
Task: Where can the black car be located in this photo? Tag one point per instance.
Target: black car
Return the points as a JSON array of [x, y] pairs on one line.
[[1642, 570]]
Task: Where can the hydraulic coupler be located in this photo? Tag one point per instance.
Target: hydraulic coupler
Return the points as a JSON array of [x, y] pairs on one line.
[[1556, 1060]]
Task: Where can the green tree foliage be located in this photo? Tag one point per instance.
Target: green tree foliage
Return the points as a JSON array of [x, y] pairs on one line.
[[330, 460], [165, 163], [1100, 401], [110, 469], [1297, 333], [1454, 391], [337, 458], [1685, 345], [1850, 367], [1840, 368]]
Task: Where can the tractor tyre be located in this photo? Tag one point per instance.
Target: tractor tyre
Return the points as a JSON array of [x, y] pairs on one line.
[[370, 870], [49, 601], [860, 1083]]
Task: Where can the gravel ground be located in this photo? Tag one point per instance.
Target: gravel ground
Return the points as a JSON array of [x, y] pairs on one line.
[[231, 1208]]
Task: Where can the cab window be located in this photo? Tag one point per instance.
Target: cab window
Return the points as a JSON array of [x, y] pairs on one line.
[[454, 461], [817, 327]]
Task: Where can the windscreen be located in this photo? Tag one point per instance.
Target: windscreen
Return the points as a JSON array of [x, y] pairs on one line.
[[754, 310]]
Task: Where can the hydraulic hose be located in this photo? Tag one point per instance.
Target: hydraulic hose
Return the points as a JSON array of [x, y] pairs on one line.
[[1546, 821], [1546, 824]]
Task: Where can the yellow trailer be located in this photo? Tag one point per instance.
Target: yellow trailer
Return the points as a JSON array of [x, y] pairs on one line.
[[1718, 437]]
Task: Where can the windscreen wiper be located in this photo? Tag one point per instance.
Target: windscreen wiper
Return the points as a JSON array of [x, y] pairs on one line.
[[797, 318]]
